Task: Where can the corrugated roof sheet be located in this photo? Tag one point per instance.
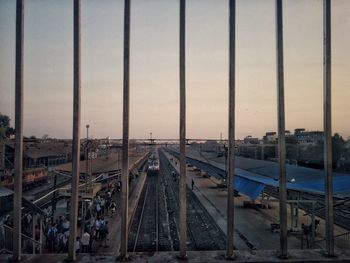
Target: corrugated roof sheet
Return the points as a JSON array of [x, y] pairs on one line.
[[248, 187], [266, 172]]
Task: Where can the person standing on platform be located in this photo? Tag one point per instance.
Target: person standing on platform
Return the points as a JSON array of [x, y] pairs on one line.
[[62, 242], [65, 225], [103, 203], [85, 242], [98, 209], [77, 245], [51, 236], [97, 227], [103, 234], [113, 207]]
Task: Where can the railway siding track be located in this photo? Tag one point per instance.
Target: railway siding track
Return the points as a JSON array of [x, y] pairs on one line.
[[149, 231], [164, 231], [146, 235], [202, 231], [155, 223]]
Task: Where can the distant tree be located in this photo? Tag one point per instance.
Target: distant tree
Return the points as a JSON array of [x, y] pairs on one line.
[[5, 129], [2, 132], [338, 147], [337, 138], [315, 151], [4, 120], [346, 154], [10, 131], [45, 137]]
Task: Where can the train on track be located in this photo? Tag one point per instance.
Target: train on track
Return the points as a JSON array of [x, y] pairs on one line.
[[153, 164], [31, 178]]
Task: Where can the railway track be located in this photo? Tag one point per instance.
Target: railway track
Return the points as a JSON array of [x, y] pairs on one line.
[[155, 223], [146, 237], [148, 231], [202, 231]]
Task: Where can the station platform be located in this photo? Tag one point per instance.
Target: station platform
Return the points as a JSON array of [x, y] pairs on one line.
[[252, 226], [113, 242]]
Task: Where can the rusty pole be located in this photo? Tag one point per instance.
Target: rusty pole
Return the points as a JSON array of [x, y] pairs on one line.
[[73, 231], [125, 153], [231, 131], [17, 202], [327, 111], [182, 188], [283, 253]]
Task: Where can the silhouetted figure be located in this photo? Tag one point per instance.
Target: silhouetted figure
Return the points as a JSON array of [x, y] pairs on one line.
[[85, 242]]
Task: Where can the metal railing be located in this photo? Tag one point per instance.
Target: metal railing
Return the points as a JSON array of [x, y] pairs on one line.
[[341, 241], [29, 245]]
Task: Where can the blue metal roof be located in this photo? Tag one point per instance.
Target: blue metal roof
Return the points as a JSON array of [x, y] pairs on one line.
[[300, 178], [248, 187], [243, 184], [307, 179]]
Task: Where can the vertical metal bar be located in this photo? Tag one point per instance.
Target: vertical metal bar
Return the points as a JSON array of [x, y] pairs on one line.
[[182, 189], [297, 215], [54, 196], [313, 225], [76, 135], [231, 130], [2, 153], [125, 153], [327, 111], [291, 215], [281, 131], [17, 203], [90, 168], [41, 235], [33, 231], [87, 181]]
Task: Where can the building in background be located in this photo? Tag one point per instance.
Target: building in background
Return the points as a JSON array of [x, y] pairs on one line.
[[302, 136], [251, 140], [37, 154], [270, 137]]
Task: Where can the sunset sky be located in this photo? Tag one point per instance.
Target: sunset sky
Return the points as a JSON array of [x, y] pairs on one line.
[[48, 67]]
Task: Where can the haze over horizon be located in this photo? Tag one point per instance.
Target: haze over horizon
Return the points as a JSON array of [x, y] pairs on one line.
[[48, 67]]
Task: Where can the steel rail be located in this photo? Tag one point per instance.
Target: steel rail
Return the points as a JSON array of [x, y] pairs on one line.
[[141, 217]]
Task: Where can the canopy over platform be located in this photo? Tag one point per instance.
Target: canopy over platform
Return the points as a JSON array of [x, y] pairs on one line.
[[252, 179], [6, 203]]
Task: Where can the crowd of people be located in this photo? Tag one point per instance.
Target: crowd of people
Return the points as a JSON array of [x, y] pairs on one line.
[[55, 231], [95, 227], [57, 235]]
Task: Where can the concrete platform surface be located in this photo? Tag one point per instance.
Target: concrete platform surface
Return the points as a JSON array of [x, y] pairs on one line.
[[192, 256]]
